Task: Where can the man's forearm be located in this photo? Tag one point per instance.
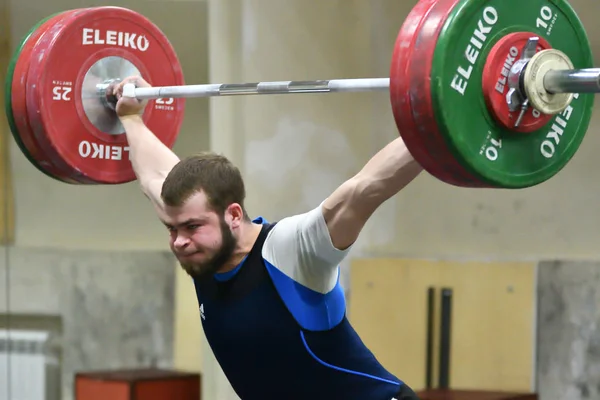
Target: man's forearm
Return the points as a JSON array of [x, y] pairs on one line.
[[387, 172], [150, 158], [350, 206]]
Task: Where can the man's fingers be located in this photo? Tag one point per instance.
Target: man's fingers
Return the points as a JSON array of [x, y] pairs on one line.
[[137, 81]]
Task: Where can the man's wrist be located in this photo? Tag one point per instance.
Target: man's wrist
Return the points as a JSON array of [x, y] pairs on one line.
[[131, 119]]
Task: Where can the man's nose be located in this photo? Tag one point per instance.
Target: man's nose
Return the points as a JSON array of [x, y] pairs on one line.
[[181, 241]]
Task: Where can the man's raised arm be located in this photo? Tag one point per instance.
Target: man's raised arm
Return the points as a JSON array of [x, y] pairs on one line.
[[349, 207], [151, 159]]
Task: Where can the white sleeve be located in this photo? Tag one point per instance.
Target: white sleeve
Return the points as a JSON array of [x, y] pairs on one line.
[[300, 247]]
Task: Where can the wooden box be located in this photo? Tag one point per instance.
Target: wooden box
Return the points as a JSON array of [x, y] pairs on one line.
[[137, 384]]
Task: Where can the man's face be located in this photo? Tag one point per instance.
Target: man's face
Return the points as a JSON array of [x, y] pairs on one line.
[[201, 239]]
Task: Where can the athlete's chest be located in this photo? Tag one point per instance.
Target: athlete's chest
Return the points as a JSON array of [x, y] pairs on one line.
[[256, 312], [255, 329]]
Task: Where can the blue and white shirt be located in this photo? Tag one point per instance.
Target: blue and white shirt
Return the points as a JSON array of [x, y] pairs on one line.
[[277, 323]]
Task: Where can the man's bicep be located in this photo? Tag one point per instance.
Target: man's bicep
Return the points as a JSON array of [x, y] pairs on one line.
[[301, 247]]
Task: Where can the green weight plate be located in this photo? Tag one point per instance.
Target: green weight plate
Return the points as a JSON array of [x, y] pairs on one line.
[[499, 156], [8, 96]]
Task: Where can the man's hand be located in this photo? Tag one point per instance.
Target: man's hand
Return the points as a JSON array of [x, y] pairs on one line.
[[127, 106]]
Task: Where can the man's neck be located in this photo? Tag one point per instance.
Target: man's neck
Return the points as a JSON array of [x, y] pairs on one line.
[[247, 237]]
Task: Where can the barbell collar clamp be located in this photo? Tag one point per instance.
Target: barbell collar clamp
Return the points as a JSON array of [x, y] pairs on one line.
[[105, 92]]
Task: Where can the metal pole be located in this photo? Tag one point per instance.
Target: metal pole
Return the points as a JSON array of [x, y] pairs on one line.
[[573, 81], [282, 87]]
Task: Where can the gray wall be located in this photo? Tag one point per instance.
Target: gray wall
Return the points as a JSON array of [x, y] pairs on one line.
[[569, 330], [105, 310]]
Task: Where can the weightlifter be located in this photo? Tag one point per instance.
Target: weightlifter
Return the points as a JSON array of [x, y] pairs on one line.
[[270, 300]]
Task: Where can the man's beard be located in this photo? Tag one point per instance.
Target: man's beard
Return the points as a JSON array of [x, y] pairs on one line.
[[199, 270]]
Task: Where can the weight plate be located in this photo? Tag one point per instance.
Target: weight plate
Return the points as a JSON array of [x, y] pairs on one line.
[[495, 85], [14, 97], [497, 155], [403, 49], [69, 119], [18, 54], [46, 155], [409, 79]]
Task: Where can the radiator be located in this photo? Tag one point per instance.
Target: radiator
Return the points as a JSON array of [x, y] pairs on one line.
[[24, 365]]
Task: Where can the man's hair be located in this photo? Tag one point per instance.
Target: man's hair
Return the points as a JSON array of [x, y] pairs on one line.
[[213, 174]]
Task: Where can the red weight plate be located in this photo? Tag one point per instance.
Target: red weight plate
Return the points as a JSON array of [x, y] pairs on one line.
[[18, 100], [68, 117], [49, 158], [495, 86], [404, 46], [411, 97], [440, 156]]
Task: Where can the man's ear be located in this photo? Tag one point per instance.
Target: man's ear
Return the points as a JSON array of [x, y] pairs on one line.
[[234, 215]]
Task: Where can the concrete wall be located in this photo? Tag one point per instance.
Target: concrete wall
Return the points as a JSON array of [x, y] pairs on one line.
[[302, 147], [105, 310]]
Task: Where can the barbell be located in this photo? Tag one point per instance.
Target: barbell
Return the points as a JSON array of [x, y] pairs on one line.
[[485, 93]]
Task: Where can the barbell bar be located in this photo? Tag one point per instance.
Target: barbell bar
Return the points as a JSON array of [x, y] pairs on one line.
[[573, 81], [482, 96], [277, 87], [564, 81]]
